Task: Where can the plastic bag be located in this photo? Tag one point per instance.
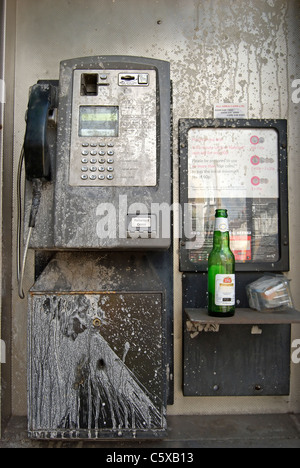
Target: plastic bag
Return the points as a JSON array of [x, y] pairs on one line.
[[269, 292]]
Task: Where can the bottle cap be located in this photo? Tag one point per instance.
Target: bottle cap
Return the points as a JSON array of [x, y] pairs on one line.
[[221, 213]]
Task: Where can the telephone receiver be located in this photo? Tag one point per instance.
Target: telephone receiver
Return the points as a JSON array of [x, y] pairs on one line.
[[40, 134], [40, 129]]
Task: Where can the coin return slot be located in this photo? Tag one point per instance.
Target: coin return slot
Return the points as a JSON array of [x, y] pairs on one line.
[[89, 84]]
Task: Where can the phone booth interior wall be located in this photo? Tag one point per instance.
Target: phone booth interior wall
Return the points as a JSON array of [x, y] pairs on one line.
[[218, 53]]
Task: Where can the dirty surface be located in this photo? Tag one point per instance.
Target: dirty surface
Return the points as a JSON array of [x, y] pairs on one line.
[[220, 51], [218, 431]]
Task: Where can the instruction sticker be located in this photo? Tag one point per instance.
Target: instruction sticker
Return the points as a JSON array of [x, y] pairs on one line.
[[144, 222], [230, 111]]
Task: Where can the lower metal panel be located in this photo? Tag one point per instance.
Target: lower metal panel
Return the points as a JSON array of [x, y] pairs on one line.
[[234, 362], [96, 365], [98, 347]]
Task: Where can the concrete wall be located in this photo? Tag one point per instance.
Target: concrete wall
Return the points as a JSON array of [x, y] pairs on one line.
[[220, 51]]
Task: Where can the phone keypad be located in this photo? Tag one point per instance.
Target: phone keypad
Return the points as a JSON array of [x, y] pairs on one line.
[[97, 163]]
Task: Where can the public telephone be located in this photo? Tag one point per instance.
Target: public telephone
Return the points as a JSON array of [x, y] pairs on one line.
[[99, 138], [97, 153]]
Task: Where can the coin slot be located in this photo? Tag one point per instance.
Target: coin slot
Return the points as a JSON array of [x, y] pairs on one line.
[[128, 77]]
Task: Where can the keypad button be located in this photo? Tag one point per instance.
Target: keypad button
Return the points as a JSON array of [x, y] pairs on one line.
[[89, 161]]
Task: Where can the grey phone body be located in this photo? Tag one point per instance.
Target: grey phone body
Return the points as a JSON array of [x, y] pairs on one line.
[[111, 169]]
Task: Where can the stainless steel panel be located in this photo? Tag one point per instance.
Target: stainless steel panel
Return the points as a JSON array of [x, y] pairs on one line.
[[133, 150]]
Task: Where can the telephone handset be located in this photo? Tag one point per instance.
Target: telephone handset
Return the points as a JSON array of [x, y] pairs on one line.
[[39, 119], [40, 134]]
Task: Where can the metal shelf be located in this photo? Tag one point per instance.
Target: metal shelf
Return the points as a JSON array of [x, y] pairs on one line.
[[245, 316]]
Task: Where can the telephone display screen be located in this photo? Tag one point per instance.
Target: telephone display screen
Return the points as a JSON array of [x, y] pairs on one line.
[[98, 121]]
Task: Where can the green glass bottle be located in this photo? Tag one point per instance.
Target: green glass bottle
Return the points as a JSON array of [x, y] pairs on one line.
[[221, 270]]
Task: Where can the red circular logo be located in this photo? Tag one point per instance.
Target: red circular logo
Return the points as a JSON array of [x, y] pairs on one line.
[[255, 160], [254, 140], [255, 180]]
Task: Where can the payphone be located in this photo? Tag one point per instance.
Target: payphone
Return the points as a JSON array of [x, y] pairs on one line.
[[112, 153], [97, 153]]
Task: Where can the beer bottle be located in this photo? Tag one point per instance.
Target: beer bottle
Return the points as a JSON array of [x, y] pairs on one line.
[[221, 266]]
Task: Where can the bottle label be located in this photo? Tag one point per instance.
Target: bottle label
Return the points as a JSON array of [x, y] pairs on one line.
[[225, 290], [221, 224]]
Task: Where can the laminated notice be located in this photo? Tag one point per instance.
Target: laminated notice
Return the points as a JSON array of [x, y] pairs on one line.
[[233, 163]]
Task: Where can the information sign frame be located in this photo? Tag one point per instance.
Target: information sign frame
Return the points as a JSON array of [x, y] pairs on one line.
[[240, 165]]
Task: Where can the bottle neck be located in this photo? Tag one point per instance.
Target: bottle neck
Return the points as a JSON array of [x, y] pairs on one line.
[[221, 233], [221, 239]]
